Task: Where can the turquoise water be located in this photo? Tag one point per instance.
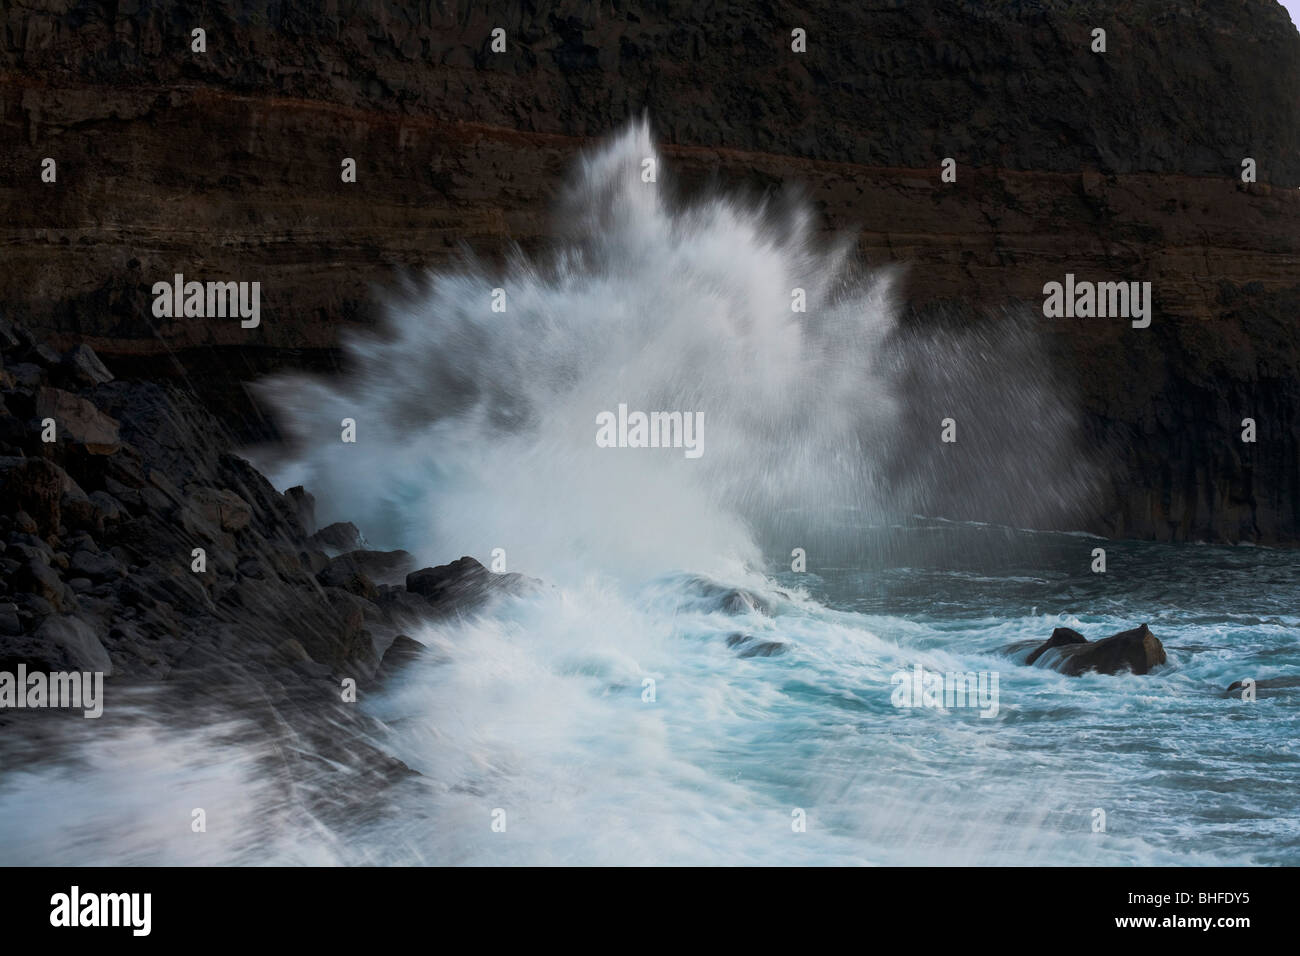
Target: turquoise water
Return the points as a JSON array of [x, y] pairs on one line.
[[539, 710], [603, 722]]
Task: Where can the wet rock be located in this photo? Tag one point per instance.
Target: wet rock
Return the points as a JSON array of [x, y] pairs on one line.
[[27, 376], [82, 364], [9, 622], [1136, 650], [43, 356], [39, 579], [459, 583], [235, 511], [8, 337], [314, 561], [97, 567], [209, 511], [79, 421], [79, 512], [36, 486], [346, 572], [250, 567], [383, 567], [293, 650], [1266, 687], [61, 643], [709, 595], [749, 646], [26, 523], [1060, 637], [401, 653], [304, 506], [107, 508], [340, 537], [402, 607]]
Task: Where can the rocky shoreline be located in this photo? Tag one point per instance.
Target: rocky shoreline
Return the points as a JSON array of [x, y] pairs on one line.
[[134, 542]]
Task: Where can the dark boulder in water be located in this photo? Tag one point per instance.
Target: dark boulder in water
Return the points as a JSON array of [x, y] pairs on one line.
[[1136, 650], [339, 537], [463, 583], [708, 595], [1060, 637], [400, 654], [1268, 684], [751, 646]]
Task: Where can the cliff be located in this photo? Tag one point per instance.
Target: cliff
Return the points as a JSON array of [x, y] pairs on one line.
[[1122, 165]]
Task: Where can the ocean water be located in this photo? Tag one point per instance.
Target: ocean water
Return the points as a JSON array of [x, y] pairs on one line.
[[539, 710], [674, 692]]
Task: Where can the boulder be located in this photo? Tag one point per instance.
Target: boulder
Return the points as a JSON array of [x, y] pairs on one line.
[[347, 573], [1060, 636], [1266, 687], [460, 582], [749, 646], [304, 506], [383, 567], [61, 643], [78, 421], [82, 364], [340, 537], [97, 567], [35, 486], [402, 652], [1136, 650]]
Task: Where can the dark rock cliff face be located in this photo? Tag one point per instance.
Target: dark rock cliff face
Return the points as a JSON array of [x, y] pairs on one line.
[[132, 541], [1117, 166]]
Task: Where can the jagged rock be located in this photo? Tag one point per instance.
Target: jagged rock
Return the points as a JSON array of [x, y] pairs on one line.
[[9, 622], [43, 355], [383, 567], [97, 567], [712, 596], [8, 338], [1136, 650], [401, 653], [304, 506], [235, 511], [37, 578], [346, 572], [36, 486], [84, 366], [293, 650], [1060, 636], [1265, 687], [25, 523], [402, 607], [339, 537], [750, 646], [61, 643], [78, 421], [461, 580], [314, 561], [27, 376], [210, 510], [78, 511], [107, 508], [464, 583]]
